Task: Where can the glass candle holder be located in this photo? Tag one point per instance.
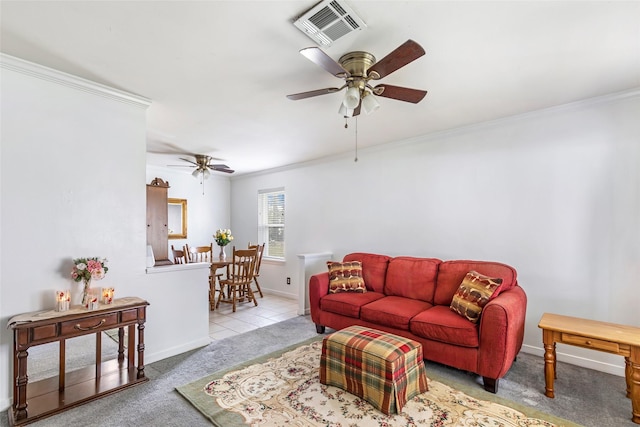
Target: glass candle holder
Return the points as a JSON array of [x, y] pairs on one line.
[[63, 300], [93, 300], [107, 295]]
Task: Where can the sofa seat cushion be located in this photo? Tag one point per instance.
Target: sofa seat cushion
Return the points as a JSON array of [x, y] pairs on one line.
[[393, 311], [348, 303], [441, 324]]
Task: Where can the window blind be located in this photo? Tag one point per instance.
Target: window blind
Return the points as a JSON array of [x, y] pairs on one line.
[[271, 209]]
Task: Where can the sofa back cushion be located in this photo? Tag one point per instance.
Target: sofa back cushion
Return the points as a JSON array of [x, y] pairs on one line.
[[374, 269], [451, 274], [413, 278]]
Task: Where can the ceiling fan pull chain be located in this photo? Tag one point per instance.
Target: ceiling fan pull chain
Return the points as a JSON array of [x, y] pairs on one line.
[[356, 158]]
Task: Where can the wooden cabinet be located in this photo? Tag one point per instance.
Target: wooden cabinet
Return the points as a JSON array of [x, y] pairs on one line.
[[34, 401], [157, 220]]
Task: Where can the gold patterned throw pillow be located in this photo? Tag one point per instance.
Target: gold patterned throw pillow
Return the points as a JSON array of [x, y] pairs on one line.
[[345, 277], [473, 294]]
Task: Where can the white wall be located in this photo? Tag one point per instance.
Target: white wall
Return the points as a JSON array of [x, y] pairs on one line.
[[73, 184], [554, 193]]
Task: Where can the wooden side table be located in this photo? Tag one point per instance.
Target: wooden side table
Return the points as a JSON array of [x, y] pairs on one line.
[[608, 337], [34, 401]]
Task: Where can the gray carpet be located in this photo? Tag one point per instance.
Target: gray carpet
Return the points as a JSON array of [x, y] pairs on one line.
[[583, 396]]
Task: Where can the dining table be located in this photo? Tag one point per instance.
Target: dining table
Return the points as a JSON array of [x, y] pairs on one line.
[[216, 264]]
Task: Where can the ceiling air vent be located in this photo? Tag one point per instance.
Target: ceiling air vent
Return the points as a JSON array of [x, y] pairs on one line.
[[328, 21]]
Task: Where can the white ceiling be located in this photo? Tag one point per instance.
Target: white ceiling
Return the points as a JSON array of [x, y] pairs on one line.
[[218, 71]]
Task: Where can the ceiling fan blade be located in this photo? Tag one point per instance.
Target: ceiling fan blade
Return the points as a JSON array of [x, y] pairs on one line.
[[181, 166], [218, 166], [155, 146], [400, 93], [190, 161], [407, 52], [225, 170], [303, 95], [317, 56]]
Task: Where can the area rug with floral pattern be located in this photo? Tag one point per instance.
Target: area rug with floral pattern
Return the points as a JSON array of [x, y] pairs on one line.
[[284, 390]]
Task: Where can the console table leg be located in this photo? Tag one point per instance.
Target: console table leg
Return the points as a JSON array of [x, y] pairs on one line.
[[131, 347], [549, 362], [62, 365], [20, 408], [98, 354], [120, 345], [628, 370], [634, 384], [141, 350]]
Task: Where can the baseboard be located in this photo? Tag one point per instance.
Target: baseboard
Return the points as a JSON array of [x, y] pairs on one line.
[[174, 351], [279, 293], [584, 362]]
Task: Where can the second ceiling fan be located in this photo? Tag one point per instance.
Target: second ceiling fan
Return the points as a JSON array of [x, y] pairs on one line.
[[357, 69]]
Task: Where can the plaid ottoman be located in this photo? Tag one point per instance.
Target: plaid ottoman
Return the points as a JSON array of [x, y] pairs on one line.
[[384, 369]]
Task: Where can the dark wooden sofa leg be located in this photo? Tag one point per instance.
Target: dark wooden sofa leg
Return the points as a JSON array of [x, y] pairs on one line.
[[490, 384], [319, 329]]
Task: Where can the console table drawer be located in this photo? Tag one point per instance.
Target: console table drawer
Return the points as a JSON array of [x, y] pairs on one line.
[[129, 315], [88, 324], [43, 332], [590, 343]]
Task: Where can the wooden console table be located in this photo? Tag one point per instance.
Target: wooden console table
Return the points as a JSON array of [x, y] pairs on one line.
[[34, 401], [608, 337]]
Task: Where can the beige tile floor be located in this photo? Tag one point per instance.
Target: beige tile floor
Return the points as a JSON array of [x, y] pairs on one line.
[[224, 323]]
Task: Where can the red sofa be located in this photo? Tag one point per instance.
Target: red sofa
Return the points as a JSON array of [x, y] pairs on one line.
[[411, 296]]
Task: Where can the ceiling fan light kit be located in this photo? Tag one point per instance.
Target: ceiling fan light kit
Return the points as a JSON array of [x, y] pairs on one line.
[[357, 69], [205, 173], [369, 103], [351, 98], [344, 111]]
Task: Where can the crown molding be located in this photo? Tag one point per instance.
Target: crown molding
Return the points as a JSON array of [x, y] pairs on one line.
[[32, 69], [466, 129]]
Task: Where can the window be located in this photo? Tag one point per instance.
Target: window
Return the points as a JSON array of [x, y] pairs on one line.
[[271, 222]]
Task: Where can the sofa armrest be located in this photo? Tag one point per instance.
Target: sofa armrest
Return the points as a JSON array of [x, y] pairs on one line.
[[318, 287], [501, 332]]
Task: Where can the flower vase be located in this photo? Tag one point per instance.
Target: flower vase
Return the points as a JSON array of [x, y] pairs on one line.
[[85, 292], [222, 255]]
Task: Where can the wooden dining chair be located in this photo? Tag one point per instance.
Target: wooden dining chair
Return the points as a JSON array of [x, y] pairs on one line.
[[179, 256], [239, 278], [199, 253], [256, 274], [203, 254]]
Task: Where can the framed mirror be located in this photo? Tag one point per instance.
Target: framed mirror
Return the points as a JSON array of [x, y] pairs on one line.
[[177, 218]]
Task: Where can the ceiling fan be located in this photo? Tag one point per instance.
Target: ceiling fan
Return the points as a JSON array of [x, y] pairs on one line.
[[357, 69], [204, 166]]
